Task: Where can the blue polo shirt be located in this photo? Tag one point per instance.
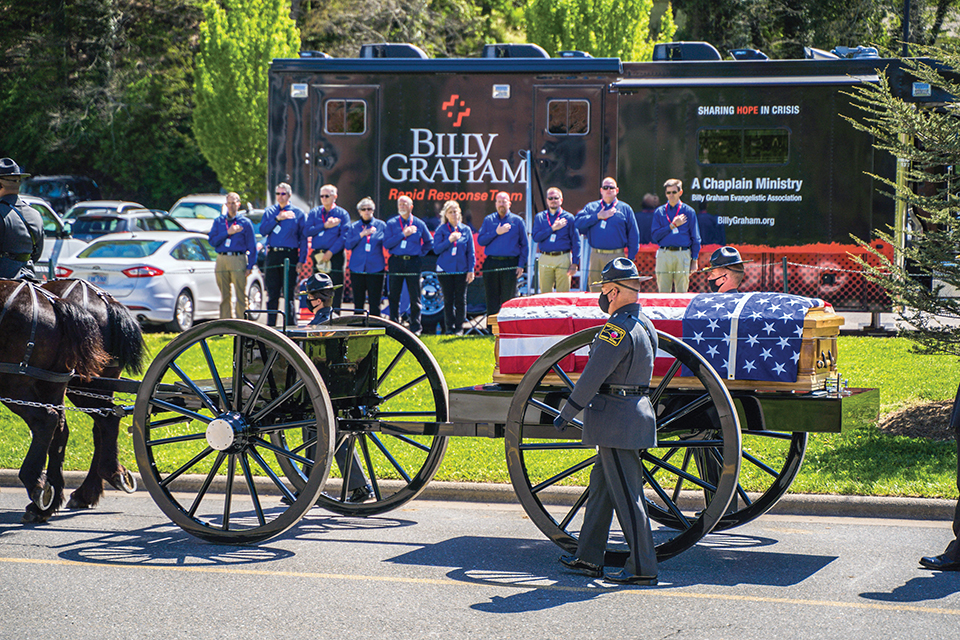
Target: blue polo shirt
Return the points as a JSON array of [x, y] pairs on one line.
[[245, 241], [285, 234], [323, 239], [458, 257], [616, 232], [684, 236], [512, 244], [566, 239], [366, 254], [417, 243]]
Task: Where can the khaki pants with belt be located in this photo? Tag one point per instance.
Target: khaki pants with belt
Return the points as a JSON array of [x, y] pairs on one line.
[[598, 260], [232, 270], [673, 270], [554, 271]]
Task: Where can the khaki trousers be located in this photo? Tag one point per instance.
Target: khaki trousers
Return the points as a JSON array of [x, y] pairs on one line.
[[598, 260], [554, 271], [673, 271], [232, 270]]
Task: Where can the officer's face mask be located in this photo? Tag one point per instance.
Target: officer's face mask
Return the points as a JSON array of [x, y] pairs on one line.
[[604, 301], [716, 283]]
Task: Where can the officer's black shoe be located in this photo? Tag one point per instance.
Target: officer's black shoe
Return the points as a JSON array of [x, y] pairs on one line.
[[622, 577], [361, 494], [586, 568], [940, 563]]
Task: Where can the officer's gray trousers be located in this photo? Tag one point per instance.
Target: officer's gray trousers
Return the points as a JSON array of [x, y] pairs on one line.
[[615, 485]]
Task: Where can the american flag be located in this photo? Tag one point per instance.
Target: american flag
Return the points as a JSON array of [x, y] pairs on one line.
[[766, 348], [748, 336]]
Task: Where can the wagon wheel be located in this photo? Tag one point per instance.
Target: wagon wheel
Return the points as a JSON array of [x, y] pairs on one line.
[[223, 395], [539, 458], [413, 398]]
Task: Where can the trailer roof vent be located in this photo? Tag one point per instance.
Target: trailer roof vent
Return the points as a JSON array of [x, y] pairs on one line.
[[392, 50], [856, 52], [812, 53], [314, 54], [748, 54], [674, 51], [503, 50], [574, 54]]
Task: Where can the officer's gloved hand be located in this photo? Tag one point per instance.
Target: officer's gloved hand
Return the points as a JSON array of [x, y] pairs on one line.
[[560, 424]]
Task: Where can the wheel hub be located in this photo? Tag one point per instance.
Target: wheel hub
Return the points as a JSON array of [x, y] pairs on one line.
[[227, 432]]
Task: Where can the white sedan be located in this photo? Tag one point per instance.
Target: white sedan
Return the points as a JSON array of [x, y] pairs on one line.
[[162, 277]]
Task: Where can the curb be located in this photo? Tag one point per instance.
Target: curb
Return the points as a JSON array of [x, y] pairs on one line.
[[790, 504]]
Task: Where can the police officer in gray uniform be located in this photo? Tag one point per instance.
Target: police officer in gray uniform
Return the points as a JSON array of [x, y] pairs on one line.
[[21, 227], [619, 420]]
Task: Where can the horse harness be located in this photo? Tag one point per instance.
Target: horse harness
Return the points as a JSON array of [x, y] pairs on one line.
[[25, 368]]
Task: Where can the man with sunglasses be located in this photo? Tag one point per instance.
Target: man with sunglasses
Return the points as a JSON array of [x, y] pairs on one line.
[[21, 227], [555, 232], [232, 237], [675, 229], [283, 231], [610, 227], [619, 420], [326, 226]]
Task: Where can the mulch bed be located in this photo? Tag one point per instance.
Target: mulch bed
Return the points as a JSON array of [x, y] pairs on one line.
[[930, 420]]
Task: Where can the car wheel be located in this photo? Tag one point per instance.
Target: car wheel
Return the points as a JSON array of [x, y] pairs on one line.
[[182, 313], [254, 301], [431, 301]]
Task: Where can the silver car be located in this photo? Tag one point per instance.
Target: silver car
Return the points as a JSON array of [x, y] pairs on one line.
[[162, 277]]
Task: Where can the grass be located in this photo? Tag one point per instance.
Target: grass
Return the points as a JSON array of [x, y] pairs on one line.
[[861, 461]]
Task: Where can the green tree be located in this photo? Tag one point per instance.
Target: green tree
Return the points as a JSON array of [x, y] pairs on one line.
[[238, 40], [604, 28], [926, 141]]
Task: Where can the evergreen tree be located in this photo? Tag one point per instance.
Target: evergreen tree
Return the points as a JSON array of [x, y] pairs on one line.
[[926, 140], [238, 40], [603, 28]]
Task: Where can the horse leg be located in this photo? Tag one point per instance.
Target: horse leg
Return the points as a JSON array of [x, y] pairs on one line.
[[88, 494], [110, 468], [50, 433]]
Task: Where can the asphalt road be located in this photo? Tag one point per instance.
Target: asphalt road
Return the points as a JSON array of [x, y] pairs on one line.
[[460, 570]]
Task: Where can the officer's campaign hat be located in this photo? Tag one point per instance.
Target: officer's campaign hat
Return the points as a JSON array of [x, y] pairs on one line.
[[620, 270], [10, 169], [318, 282], [725, 257]]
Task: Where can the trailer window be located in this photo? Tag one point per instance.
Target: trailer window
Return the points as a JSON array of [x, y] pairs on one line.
[[743, 146], [347, 117], [568, 117]]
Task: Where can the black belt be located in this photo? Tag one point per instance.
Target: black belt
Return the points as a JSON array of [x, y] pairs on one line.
[[233, 253], [675, 248], [624, 390], [282, 249], [514, 258], [554, 253], [405, 257], [19, 257]]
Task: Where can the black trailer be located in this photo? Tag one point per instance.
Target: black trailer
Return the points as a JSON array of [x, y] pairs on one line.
[[762, 147]]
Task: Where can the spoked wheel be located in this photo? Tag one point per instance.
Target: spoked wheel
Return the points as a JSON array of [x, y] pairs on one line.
[[539, 458], [391, 440], [232, 398]]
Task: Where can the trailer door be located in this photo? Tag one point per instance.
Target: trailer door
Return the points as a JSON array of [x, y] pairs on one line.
[[568, 136], [344, 144]]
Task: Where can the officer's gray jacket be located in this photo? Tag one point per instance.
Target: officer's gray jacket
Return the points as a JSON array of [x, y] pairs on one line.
[[622, 355], [17, 238]]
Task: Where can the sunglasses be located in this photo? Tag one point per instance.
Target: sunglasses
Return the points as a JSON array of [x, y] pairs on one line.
[[326, 195], [608, 187], [281, 193], [553, 197], [366, 208], [670, 193]]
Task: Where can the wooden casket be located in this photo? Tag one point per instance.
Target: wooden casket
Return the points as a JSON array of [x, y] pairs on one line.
[[757, 340]]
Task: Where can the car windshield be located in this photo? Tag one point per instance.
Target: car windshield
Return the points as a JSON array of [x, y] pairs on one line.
[[95, 226], [205, 210], [42, 189], [121, 249]]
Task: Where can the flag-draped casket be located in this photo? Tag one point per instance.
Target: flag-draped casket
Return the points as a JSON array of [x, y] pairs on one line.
[[753, 340]]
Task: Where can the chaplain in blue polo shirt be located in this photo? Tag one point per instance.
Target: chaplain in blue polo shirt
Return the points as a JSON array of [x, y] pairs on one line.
[[675, 229], [556, 233], [326, 226], [365, 241], [232, 237], [456, 265], [503, 235], [610, 227], [283, 231], [407, 239]]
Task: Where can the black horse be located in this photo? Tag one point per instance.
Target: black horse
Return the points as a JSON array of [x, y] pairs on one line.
[[123, 341], [43, 340]]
